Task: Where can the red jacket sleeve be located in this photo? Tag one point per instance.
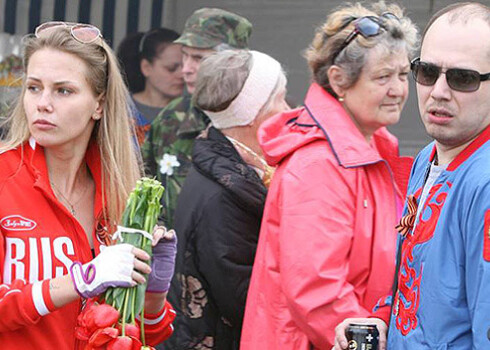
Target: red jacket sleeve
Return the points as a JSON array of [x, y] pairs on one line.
[[23, 304], [316, 231], [158, 327], [382, 309]]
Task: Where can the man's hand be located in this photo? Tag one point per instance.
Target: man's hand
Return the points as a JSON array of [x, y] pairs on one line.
[[341, 340]]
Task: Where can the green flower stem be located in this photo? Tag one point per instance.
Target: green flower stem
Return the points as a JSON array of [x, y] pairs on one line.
[[167, 197], [142, 326], [120, 308], [124, 311], [133, 302], [142, 211]]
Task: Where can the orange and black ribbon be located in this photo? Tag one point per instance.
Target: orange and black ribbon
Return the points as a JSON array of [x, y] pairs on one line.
[[407, 221], [104, 229]]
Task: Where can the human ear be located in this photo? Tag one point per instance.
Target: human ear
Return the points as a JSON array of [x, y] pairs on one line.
[[99, 109], [336, 78], [145, 67]]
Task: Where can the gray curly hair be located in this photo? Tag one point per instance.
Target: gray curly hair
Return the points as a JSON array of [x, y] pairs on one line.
[[324, 50]]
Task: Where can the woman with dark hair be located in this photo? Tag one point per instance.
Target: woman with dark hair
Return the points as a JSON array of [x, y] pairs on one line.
[[153, 68]]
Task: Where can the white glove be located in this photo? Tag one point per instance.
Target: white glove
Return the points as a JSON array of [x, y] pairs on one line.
[[111, 268]]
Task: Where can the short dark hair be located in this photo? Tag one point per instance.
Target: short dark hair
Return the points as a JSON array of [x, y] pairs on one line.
[[461, 11]]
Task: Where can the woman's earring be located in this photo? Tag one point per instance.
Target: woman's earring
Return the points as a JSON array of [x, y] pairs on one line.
[[96, 116], [340, 98]]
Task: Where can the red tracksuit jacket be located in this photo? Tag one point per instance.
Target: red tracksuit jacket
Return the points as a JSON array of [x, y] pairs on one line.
[[39, 240]]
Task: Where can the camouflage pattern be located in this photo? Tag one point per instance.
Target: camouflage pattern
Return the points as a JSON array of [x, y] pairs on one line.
[[209, 27], [173, 132]]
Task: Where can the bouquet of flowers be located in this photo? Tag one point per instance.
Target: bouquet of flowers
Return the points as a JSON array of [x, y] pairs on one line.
[[111, 322]]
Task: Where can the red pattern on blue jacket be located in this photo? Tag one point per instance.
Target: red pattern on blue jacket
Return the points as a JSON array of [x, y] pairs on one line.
[[39, 240], [444, 280]]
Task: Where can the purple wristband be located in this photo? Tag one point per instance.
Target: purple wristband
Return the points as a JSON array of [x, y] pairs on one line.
[[162, 265]]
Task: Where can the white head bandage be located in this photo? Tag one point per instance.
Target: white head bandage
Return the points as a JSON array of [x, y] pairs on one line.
[[254, 95]]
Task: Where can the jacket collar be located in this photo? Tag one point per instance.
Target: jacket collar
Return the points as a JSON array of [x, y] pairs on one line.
[[216, 158], [333, 120], [467, 152], [194, 120], [37, 163]]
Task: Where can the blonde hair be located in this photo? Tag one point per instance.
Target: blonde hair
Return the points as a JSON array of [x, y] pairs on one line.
[[113, 133], [330, 36]]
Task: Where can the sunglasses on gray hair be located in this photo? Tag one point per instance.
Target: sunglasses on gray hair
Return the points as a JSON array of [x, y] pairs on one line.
[[367, 27]]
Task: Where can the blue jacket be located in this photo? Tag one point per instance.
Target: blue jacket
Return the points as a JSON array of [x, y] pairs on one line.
[[443, 298]]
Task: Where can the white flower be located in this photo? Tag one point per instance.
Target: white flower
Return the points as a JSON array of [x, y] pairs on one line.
[[168, 163]]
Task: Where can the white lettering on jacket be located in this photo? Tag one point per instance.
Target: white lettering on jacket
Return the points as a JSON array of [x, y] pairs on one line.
[[17, 223], [18, 252]]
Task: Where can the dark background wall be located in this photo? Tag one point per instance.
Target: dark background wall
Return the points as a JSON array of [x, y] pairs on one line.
[[282, 28]]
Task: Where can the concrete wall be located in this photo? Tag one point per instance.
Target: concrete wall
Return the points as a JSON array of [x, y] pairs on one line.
[[284, 28]]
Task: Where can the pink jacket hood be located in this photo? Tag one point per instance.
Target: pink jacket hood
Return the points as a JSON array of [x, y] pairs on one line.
[[284, 133]]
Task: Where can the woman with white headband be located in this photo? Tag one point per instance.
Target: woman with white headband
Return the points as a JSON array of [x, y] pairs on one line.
[[220, 207]]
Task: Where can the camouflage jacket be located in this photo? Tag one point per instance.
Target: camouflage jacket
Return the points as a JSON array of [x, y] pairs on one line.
[[171, 136]]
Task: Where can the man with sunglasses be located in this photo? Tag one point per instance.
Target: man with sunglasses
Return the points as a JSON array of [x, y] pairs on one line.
[[168, 146], [441, 292]]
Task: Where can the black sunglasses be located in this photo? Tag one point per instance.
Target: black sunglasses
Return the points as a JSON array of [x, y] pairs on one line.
[[458, 79], [367, 26]]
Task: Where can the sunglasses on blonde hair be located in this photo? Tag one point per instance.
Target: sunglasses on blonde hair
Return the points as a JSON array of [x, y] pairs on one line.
[[458, 79], [83, 33]]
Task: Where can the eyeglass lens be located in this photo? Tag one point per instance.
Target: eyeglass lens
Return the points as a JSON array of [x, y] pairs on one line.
[[464, 80], [367, 27], [48, 25], [389, 15], [85, 33]]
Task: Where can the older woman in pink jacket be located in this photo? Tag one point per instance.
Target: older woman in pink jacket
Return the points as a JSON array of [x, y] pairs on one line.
[[327, 244]]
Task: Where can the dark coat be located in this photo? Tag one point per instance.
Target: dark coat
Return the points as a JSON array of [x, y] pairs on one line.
[[217, 222]]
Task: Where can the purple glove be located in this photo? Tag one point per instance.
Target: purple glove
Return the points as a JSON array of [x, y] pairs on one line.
[[113, 267], [163, 263]]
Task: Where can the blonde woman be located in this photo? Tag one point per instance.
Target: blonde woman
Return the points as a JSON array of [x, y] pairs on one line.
[[68, 165]]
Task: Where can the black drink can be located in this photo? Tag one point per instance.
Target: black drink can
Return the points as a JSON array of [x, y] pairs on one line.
[[362, 337]]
